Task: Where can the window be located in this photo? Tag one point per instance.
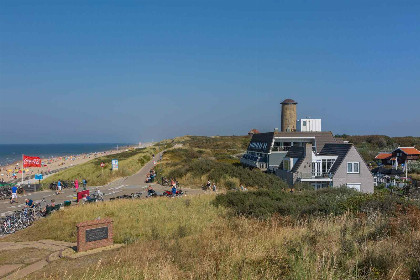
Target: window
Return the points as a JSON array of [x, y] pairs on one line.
[[355, 186], [353, 167], [304, 123]]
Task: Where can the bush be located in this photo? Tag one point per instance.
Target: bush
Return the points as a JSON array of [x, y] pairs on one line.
[[335, 201]]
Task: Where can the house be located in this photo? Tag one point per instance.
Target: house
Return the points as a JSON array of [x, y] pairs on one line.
[[267, 150], [253, 131], [385, 158], [406, 154], [402, 155], [335, 165]]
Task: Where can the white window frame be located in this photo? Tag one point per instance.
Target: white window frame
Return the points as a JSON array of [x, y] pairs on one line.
[[354, 184], [353, 164]]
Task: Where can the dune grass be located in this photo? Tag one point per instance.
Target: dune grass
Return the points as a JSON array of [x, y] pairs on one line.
[[129, 163], [190, 238], [134, 220]]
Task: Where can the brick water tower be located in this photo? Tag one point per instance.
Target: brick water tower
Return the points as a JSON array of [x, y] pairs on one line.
[[288, 115]]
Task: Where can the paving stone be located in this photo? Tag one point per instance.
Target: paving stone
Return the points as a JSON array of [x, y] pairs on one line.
[[20, 273], [7, 268]]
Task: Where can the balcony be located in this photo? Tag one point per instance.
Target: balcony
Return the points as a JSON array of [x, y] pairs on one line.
[[313, 175], [281, 149]]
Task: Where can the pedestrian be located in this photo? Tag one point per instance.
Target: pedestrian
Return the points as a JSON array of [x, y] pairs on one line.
[[84, 184], [173, 190], [58, 186], [14, 194], [214, 187], [76, 185]]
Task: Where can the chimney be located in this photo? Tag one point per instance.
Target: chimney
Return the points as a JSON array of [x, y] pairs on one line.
[[308, 151]]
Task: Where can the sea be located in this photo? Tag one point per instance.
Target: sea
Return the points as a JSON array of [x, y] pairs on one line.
[[10, 153]]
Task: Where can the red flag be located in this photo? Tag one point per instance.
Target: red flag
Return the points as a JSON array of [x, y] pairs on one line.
[[31, 161]]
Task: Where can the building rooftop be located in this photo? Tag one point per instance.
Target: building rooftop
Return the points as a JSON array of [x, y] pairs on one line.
[[289, 101], [383, 156], [409, 150], [321, 138], [339, 150]]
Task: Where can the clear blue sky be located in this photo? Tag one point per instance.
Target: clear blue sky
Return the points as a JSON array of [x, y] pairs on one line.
[[127, 71]]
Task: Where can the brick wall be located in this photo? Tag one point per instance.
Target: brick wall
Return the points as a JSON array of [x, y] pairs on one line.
[[82, 245]]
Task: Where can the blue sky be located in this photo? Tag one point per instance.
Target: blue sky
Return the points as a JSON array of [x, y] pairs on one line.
[[128, 71]]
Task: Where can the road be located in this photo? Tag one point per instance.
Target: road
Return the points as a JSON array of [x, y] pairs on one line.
[[126, 185]]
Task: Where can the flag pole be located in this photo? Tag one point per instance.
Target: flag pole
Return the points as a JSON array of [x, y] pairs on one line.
[[22, 169]]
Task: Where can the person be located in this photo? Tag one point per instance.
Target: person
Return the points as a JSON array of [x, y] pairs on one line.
[[150, 191], [173, 190], [43, 206], [214, 187], [29, 203], [84, 184], [14, 194], [59, 186], [76, 185]]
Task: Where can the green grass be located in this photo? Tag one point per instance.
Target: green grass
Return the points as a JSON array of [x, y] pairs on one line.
[[129, 163], [134, 220]]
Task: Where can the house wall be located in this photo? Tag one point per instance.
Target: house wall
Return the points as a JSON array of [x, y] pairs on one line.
[[364, 177], [306, 166], [286, 176]]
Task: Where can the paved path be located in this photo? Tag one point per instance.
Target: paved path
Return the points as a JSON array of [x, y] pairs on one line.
[[126, 185], [18, 269]]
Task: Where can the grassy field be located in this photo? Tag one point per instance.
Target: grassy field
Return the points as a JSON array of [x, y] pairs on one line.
[[191, 238], [265, 233], [129, 163]]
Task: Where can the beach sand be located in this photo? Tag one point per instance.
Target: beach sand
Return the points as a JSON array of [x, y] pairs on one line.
[[51, 164]]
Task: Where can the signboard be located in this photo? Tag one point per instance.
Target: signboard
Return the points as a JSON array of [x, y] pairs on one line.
[[96, 234], [31, 161], [115, 164]]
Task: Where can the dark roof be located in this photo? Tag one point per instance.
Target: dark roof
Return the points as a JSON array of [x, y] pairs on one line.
[[296, 152], [297, 165], [321, 137], [264, 138], [289, 101], [339, 150]]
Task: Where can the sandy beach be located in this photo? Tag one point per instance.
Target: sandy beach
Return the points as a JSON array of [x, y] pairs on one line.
[[52, 164]]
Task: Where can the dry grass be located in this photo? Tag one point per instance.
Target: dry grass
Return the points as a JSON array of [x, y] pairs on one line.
[[189, 238]]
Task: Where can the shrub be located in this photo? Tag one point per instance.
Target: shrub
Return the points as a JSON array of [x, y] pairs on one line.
[[335, 201]]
